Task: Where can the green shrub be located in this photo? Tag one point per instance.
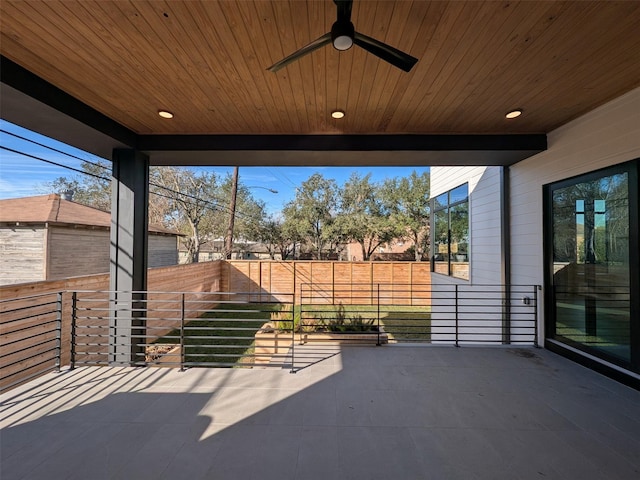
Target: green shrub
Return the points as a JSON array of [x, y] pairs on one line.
[[284, 320]]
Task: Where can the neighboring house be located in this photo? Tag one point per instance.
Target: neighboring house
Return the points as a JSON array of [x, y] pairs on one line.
[[397, 250], [241, 251], [46, 237], [565, 219], [209, 252]]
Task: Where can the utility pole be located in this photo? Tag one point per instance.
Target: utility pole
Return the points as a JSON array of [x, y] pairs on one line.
[[228, 241]]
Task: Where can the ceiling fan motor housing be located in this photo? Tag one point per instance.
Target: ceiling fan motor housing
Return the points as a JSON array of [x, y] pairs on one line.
[[342, 34]]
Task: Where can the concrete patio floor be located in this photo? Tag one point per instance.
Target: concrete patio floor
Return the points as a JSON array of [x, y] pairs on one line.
[[392, 412]]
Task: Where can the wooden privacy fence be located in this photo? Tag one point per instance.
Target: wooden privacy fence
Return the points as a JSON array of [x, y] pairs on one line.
[[271, 281]]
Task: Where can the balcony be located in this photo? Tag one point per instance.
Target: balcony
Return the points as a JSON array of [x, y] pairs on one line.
[[397, 411], [415, 406]]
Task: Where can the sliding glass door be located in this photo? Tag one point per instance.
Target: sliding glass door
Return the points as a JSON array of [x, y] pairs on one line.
[[591, 236]]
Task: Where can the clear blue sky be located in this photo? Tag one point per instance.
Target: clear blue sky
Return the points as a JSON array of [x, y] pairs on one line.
[[21, 176]]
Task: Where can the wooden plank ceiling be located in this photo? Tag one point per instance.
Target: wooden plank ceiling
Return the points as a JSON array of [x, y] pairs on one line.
[[206, 62]]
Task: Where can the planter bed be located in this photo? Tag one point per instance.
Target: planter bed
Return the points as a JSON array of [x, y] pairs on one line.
[[270, 342]]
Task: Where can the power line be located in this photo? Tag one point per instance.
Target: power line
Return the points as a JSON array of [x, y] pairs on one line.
[[106, 179], [51, 162], [97, 165], [30, 140]]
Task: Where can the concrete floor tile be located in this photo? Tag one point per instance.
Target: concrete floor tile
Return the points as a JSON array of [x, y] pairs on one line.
[[379, 453], [366, 412]]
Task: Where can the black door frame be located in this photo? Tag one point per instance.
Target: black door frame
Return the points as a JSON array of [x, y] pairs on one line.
[[626, 372]]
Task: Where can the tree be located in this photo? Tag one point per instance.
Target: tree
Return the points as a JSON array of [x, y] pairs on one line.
[[92, 189], [278, 237], [188, 203], [312, 212], [407, 199], [363, 218]]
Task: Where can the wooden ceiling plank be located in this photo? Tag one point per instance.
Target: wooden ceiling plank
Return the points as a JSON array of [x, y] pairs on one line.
[[124, 65], [447, 36], [333, 70], [125, 54], [362, 16], [196, 91], [381, 84], [502, 50], [532, 48], [302, 79], [274, 44], [182, 37], [384, 82], [127, 51], [292, 73], [368, 23], [316, 17], [255, 27], [272, 31], [74, 60], [430, 15], [577, 71], [258, 97], [476, 54]]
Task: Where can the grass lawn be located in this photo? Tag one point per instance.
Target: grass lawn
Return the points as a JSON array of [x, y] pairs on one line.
[[225, 336]]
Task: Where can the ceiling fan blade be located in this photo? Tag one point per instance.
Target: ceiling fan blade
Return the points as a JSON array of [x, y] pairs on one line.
[[307, 49], [395, 57]]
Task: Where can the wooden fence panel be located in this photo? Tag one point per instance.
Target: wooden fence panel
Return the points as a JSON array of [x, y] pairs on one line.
[[406, 283]]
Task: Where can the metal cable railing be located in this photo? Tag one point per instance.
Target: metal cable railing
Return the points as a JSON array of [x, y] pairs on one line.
[[181, 329], [423, 313], [232, 329]]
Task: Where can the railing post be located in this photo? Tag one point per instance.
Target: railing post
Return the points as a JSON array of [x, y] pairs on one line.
[[293, 330], [182, 345], [74, 319], [457, 326], [58, 331], [378, 342], [535, 315], [506, 316]]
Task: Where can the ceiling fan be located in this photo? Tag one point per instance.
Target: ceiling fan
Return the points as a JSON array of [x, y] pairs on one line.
[[343, 35]]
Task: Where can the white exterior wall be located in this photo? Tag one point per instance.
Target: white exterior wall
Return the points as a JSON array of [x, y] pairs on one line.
[[485, 243], [606, 136], [484, 217]]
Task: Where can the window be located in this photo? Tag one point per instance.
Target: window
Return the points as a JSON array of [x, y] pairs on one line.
[[450, 233]]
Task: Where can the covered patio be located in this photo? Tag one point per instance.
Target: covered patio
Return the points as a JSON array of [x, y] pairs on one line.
[[405, 412]]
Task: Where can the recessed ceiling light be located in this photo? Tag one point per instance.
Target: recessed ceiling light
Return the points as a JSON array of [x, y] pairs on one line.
[[337, 114], [165, 114], [514, 113]]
